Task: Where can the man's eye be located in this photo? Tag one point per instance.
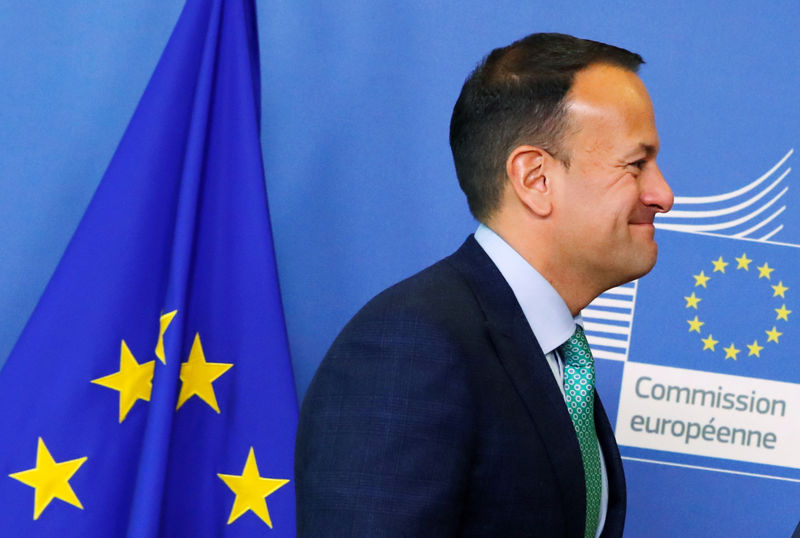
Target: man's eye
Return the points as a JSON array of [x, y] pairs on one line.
[[638, 164]]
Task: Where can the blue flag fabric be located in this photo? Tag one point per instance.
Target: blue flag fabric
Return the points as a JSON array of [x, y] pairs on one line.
[[151, 393]]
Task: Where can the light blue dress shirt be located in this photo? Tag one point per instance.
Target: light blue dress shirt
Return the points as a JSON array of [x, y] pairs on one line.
[[547, 313]]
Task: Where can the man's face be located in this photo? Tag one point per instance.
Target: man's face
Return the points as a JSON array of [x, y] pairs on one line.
[[606, 199]]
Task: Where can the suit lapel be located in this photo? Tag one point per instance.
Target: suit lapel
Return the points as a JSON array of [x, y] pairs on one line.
[[527, 368], [617, 497]]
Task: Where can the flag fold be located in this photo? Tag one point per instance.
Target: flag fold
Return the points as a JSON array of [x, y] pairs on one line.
[[151, 392]]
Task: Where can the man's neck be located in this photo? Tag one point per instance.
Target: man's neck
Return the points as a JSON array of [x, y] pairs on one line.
[[576, 289]]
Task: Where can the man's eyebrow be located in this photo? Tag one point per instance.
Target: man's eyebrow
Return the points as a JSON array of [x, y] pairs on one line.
[[648, 149]]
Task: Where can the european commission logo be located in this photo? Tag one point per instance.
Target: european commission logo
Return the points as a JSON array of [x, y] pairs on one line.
[[706, 340]]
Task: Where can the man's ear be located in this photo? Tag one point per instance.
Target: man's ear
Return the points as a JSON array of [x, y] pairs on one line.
[[525, 168]]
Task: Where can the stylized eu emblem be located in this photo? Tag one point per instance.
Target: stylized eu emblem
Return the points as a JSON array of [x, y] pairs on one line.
[[766, 327]]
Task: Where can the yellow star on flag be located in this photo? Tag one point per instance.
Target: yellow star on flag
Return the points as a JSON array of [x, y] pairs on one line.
[[701, 279], [134, 381], [50, 480], [731, 352], [692, 300], [251, 490], [764, 271], [719, 265], [709, 343], [743, 262], [772, 336], [783, 313], [695, 324], [754, 348], [780, 289], [198, 375], [164, 322]]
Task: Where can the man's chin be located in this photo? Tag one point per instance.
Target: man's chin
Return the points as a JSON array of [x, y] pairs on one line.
[[647, 261], [641, 264]]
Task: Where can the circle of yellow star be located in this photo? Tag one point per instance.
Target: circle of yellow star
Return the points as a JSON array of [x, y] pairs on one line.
[[692, 300], [783, 313], [772, 336], [709, 343], [779, 290], [251, 490], [743, 262], [731, 351], [134, 381], [765, 271], [695, 324], [754, 348], [50, 479], [701, 279], [719, 265], [198, 375]]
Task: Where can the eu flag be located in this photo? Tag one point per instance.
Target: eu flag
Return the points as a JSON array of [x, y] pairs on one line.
[[151, 392]]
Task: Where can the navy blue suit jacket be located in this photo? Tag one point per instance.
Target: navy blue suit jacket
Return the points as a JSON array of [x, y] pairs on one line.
[[435, 413]]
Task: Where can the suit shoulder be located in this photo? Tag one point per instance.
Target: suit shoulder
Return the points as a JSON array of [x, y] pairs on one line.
[[438, 296], [428, 326]]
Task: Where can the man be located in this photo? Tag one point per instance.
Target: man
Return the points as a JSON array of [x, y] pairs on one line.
[[460, 402]]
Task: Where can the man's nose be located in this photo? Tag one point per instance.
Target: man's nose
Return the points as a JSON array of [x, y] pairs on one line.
[[656, 193]]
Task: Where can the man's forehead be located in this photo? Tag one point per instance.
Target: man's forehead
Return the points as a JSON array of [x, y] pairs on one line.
[[611, 101], [607, 84]]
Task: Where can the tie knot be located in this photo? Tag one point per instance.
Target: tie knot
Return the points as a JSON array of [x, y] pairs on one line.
[[576, 350]]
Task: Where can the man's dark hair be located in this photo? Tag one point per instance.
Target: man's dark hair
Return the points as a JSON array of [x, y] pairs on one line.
[[516, 96]]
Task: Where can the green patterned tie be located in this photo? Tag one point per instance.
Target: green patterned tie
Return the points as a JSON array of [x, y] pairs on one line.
[[579, 389]]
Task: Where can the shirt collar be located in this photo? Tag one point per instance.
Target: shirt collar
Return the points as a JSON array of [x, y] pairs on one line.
[[546, 312]]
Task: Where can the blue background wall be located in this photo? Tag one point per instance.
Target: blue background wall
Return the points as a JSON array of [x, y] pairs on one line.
[[356, 104]]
